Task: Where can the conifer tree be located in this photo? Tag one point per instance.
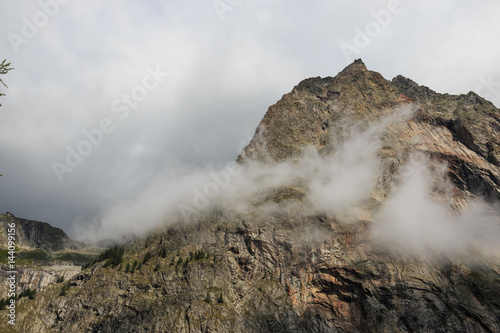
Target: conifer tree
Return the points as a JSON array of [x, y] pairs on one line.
[[4, 69]]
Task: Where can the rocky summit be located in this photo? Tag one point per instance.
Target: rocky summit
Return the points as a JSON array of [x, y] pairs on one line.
[[373, 208]]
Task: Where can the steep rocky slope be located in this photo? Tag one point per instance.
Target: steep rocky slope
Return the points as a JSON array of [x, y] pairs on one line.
[[37, 278], [43, 255], [36, 235], [463, 130], [284, 265]]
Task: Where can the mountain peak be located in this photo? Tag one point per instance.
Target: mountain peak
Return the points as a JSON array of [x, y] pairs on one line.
[[363, 235], [303, 116], [357, 66]]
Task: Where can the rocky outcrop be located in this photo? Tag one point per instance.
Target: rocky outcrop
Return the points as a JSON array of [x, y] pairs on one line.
[[272, 280], [294, 268], [35, 235], [463, 130], [35, 266], [37, 278], [305, 115]]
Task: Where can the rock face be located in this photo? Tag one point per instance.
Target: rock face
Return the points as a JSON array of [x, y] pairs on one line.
[[35, 265], [35, 235], [463, 130], [297, 269], [305, 115], [37, 278]]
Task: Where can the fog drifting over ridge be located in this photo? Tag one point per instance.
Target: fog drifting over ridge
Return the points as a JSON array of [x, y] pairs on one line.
[[339, 183], [224, 69], [415, 221]]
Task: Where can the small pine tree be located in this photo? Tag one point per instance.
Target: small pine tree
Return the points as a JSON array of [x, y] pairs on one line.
[[127, 268], [157, 267], [64, 289], [220, 299], [3, 303], [30, 293], [172, 262], [146, 258], [179, 261], [208, 299], [163, 253], [113, 256], [134, 266]]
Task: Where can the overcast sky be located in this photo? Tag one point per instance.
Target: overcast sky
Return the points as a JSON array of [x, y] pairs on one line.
[[172, 86]]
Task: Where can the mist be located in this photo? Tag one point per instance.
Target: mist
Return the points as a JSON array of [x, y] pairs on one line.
[[223, 74], [416, 219], [336, 182]]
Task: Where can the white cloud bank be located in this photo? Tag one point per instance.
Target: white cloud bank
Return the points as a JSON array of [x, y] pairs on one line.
[[416, 218]]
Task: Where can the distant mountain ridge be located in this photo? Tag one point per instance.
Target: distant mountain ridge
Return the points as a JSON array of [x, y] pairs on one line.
[[36, 235]]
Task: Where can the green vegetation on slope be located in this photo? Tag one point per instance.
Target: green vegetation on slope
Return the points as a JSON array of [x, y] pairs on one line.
[[41, 257]]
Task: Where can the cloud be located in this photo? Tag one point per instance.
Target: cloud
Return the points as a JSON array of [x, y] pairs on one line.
[[336, 182], [417, 218], [223, 77]]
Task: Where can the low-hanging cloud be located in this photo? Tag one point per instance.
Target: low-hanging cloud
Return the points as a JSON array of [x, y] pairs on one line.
[[224, 75], [417, 218], [336, 182]]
